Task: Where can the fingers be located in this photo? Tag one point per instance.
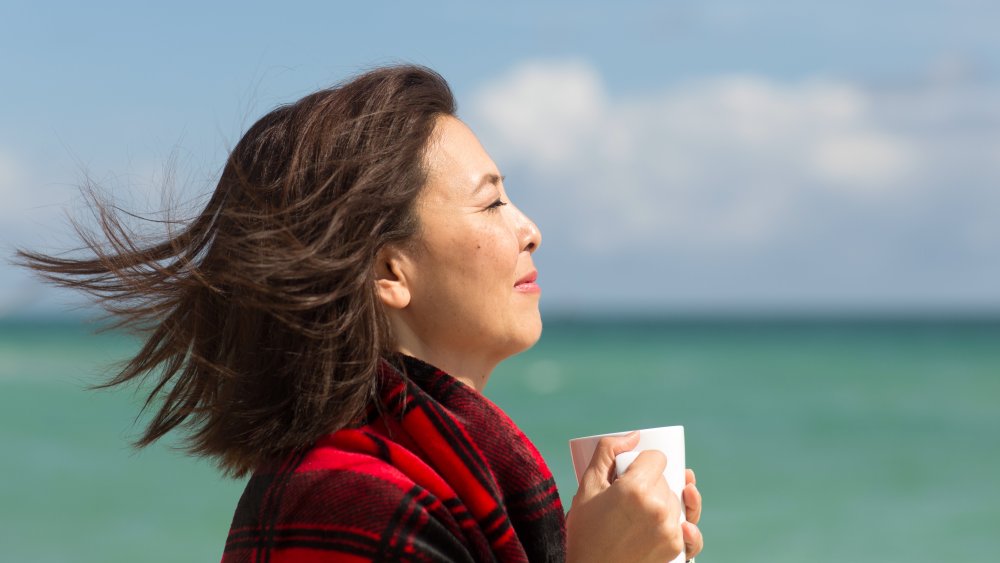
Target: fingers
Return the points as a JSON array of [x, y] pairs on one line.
[[598, 473], [693, 542], [644, 482], [648, 464], [692, 502]]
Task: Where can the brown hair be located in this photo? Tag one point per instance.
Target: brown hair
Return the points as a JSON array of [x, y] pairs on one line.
[[262, 326]]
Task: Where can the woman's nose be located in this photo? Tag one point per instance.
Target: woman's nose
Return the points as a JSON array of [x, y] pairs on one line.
[[531, 237]]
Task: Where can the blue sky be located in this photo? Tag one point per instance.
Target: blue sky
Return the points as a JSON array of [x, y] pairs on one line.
[[678, 156]]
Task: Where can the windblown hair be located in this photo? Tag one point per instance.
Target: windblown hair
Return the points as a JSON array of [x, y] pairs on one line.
[[261, 322]]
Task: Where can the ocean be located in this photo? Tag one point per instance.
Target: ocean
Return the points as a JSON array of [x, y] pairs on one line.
[[814, 439]]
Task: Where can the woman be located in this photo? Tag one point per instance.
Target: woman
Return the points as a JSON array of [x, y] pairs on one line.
[[327, 323]]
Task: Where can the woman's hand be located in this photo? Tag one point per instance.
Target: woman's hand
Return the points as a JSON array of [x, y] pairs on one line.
[[693, 542], [635, 518]]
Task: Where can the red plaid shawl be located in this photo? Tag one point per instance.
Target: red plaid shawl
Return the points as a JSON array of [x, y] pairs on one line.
[[437, 473]]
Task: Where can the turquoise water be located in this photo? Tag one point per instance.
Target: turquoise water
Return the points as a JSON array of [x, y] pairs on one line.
[[813, 440]]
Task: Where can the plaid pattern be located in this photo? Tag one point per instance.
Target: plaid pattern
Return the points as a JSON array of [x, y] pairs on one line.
[[436, 472]]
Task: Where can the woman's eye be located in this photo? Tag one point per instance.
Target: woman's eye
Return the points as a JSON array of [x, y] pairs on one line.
[[496, 205]]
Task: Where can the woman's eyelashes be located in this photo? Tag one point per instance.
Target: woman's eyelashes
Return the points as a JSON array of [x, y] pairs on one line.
[[496, 205]]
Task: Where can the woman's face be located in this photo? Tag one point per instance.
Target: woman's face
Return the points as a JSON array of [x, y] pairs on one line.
[[472, 297]]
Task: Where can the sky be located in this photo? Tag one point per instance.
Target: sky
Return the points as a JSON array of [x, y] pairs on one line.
[[694, 157]]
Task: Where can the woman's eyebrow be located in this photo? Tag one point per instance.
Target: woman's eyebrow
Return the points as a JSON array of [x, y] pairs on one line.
[[486, 180]]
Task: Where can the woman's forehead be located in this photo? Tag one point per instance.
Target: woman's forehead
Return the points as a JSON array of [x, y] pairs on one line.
[[456, 158]]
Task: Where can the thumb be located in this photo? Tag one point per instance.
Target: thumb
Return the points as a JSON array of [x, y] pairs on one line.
[[598, 473]]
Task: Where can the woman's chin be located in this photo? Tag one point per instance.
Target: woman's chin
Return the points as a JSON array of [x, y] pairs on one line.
[[528, 335]]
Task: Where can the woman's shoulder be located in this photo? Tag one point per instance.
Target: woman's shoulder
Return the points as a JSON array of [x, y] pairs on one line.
[[337, 497], [359, 468], [346, 465]]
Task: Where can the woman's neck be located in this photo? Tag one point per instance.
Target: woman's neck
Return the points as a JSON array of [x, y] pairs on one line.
[[474, 372]]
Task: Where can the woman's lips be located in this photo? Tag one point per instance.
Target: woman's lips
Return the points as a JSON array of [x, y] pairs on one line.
[[527, 283]]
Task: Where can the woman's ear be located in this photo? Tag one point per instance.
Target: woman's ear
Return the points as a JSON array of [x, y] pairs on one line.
[[390, 277]]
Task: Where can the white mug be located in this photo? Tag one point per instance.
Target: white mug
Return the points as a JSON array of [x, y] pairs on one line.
[[667, 439]]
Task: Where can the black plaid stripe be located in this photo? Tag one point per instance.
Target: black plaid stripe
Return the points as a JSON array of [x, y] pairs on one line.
[[272, 505], [414, 526], [539, 498], [324, 539]]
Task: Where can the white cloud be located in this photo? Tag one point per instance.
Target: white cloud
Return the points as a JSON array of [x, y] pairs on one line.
[[566, 105], [16, 286], [10, 180], [25, 205], [36, 202], [728, 161], [33, 210], [862, 160], [742, 185]]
